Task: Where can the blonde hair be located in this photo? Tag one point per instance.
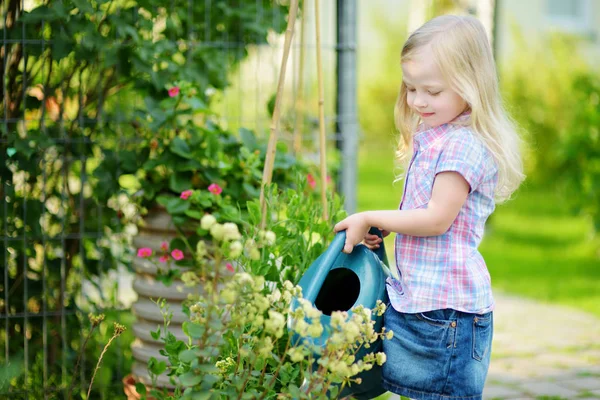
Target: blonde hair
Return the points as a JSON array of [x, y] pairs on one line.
[[463, 54]]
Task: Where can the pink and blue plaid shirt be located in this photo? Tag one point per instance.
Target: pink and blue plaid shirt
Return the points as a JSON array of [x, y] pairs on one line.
[[446, 271]]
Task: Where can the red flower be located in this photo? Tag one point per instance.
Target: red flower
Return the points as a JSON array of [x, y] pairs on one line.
[[177, 254], [311, 181], [229, 267], [144, 252], [174, 91], [215, 189], [164, 259], [164, 246], [186, 194]]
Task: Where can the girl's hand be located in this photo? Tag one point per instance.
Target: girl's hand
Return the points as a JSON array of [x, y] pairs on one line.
[[356, 228], [373, 241]]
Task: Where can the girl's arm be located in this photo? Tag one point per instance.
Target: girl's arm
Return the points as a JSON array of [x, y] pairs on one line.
[[450, 190]]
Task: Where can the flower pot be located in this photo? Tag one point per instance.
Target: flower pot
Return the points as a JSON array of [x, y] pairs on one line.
[[131, 392], [157, 228]]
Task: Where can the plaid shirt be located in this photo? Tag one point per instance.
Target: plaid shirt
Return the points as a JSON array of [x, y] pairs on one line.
[[446, 271]]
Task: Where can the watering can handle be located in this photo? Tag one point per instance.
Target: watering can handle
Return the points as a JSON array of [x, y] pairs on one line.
[[381, 250]]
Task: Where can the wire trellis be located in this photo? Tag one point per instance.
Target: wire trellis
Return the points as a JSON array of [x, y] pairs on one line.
[[62, 255]]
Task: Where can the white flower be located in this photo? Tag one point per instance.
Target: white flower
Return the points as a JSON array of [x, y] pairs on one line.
[[315, 330], [266, 347], [236, 248], [217, 231], [270, 238], [207, 221], [254, 254], [201, 249], [380, 358], [352, 331], [275, 323], [296, 354], [301, 327], [230, 231]]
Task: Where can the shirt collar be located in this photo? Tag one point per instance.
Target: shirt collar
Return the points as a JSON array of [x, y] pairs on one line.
[[425, 136]]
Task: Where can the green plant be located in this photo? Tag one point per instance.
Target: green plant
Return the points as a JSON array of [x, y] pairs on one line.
[[181, 149], [579, 158], [73, 77], [246, 337]]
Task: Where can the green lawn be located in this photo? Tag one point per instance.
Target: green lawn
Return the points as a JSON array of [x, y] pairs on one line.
[[534, 246]]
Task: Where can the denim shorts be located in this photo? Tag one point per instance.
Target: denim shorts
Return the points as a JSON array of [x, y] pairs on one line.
[[440, 354]]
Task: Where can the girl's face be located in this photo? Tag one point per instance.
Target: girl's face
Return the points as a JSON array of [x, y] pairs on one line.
[[428, 94]]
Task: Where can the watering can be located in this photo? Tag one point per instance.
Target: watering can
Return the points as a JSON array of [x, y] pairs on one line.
[[338, 282]]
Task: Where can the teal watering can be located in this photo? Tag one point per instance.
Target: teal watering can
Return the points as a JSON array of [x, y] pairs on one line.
[[338, 282]]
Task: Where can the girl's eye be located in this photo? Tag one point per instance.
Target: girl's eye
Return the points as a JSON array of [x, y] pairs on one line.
[[410, 89], [434, 93]]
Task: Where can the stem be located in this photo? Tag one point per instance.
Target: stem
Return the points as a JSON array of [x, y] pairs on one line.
[[79, 360], [272, 383], [98, 364]]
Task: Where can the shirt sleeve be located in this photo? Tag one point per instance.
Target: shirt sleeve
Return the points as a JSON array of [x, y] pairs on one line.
[[465, 154]]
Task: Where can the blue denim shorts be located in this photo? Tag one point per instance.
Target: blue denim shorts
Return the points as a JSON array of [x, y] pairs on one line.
[[440, 354]]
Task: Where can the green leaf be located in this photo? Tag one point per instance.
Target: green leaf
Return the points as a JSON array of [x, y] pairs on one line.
[[253, 212], [194, 214], [208, 368], [193, 330], [181, 148], [155, 334], [188, 356], [174, 205], [140, 388], [204, 395], [156, 367], [190, 379], [179, 182], [248, 139]]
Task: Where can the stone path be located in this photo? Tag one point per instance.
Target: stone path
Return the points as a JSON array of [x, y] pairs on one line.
[[542, 351]]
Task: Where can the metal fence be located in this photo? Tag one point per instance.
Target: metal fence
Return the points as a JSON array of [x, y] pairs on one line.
[[70, 73]]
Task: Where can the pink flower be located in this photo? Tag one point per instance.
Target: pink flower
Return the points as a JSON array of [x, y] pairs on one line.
[[177, 254], [164, 246], [144, 252], [311, 181], [215, 189], [174, 91], [229, 267], [164, 259], [186, 194]]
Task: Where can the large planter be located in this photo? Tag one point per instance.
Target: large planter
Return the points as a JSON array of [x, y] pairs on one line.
[[157, 228]]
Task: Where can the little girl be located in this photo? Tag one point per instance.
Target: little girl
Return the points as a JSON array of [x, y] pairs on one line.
[[462, 156]]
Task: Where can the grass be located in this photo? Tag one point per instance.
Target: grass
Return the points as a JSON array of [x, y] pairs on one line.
[[534, 247]]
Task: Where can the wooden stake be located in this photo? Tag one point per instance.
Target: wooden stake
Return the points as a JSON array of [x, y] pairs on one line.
[[272, 146], [299, 126], [322, 141]]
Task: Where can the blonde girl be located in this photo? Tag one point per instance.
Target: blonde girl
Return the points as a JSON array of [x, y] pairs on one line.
[[461, 153]]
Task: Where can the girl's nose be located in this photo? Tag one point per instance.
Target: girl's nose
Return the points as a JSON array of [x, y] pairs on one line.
[[419, 102]]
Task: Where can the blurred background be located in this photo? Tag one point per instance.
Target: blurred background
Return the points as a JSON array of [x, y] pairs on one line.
[[76, 75]]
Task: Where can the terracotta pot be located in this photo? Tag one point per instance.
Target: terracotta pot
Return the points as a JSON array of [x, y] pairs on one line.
[[130, 391]]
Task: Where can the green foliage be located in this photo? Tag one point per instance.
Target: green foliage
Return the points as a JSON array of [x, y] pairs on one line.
[[81, 81], [558, 107], [295, 216], [579, 159], [246, 333]]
